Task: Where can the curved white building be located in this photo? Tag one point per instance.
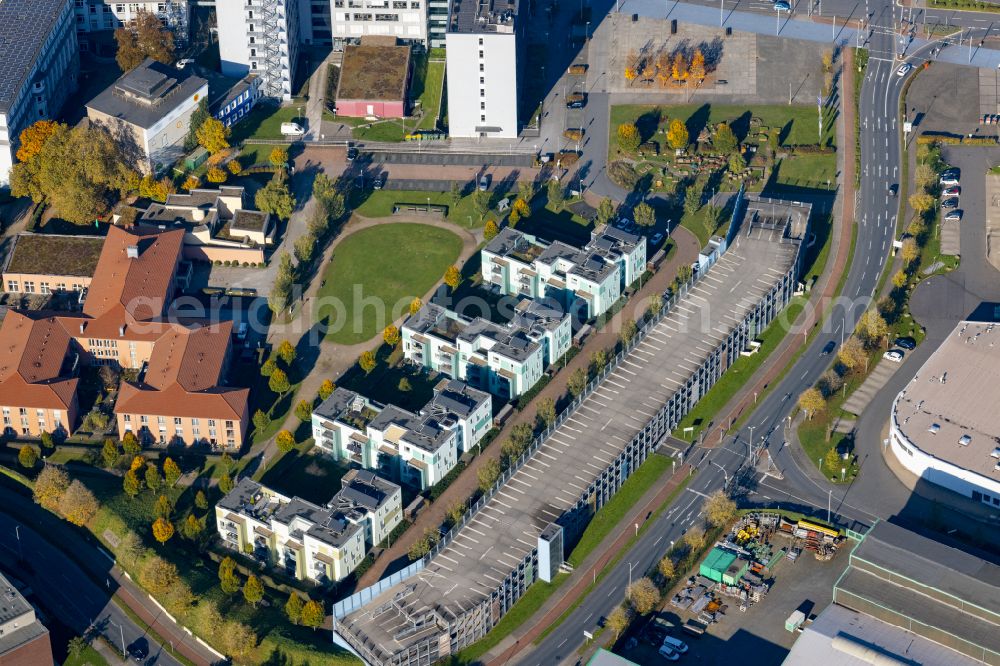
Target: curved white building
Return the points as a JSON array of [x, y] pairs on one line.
[[946, 423]]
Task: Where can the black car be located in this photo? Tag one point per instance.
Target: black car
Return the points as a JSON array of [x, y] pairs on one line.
[[378, 182], [139, 649], [950, 203], [576, 104], [893, 189], [352, 154], [828, 347], [909, 344]]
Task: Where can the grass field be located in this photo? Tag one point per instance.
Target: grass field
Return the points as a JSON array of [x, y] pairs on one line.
[[87, 657], [812, 171], [264, 122], [431, 86], [386, 266], [379, 203]]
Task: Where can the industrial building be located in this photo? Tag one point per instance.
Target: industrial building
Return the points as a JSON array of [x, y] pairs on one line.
[[945, 427], [906, 599], [521, 530]]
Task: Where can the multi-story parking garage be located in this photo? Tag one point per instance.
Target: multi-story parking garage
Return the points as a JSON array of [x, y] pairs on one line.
[[520, 531]]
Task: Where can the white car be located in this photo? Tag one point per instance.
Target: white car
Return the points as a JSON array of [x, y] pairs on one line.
[[893, 355], [675, 644], [292, 129], [669, 654], [949, 179], [904, 69]]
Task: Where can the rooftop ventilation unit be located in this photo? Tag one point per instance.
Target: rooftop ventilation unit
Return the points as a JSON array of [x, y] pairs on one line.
[[934, 429], [964, 440], [132, 251]]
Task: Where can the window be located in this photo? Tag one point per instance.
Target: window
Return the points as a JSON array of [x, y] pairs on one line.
[[482, 92], [177, 420], [143, 419], [45, 288], [482, 119], [127, 418], [29, 286], [481, 53], [12, 285], [195, 422], [482, 106], [120, 8], [253, 53], [482, 80], [229, 424], [211, 423], [480, 41], [481, 67]]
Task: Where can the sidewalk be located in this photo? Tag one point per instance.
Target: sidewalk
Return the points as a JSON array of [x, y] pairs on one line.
[[838, 263], [466, 484], [572, 590]]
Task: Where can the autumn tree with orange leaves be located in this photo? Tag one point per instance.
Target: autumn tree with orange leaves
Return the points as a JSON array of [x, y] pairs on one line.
[[680, 68], [697, 69], [34, 137]]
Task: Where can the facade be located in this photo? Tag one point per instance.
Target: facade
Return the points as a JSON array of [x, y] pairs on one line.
[[374, 79], [582, 460], [50, 263], [239, 101], [98, 15], [261, 37], [24, 640], [588, 281], [39, 65], [484, 50], [314, 23], [416, 449], [153, 103], [310, 542], [944, 426], [405, 20], [505, 360]]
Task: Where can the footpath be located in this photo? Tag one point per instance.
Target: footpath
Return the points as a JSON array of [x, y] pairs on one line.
[[468, 481], [843, 210]]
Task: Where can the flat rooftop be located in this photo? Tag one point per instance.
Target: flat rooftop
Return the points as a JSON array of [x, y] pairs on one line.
[[50, 254], [506, 530], [374, 72], [765, 212], [954, 396], [480, 16]]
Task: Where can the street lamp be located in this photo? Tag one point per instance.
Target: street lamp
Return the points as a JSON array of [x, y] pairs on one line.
[[17, 533], [725, 474], [121, 630]]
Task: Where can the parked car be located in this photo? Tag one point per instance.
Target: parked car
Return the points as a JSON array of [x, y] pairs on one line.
[[893, 190], [904, 69], [952, 191], [950, 203], [907, 343], [484, 182], [782, 6], [668, 654], [292, 129], [241, 331], [675, 644], [139, 649], [949, 179], [378, 182], [656, 239], [184, 62], [894, 355], [828, 347], [953, 216], [352, 154]]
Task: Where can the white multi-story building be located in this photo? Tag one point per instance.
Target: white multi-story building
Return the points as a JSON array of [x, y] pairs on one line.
[[506, 360], [310, 542], [406, 20], [587, 281], [97, 15], [484, 53], [260, 37], [39, 64], [418, 449]]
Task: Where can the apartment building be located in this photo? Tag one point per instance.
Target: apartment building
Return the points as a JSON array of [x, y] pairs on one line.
[[260, 37], [98, 15], [153, 103], [316, 543], [406, 20], [505, 360], [585, 281], [39, 65], [239, 101], [417, 449], [24, 640], [484, 64], [50, 263]]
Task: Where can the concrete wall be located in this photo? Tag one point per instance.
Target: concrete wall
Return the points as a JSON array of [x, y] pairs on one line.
[[361, 108], [219, 253], [497, 69]]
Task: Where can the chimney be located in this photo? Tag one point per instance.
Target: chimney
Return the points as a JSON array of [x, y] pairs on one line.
[[132, 251], [121, 330], [197, 214]]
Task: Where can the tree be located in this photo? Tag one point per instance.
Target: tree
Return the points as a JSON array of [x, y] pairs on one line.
[[276, 199], [198, 116], [631, 74], [491, 230], [33, 138], [925, 177], [278, 382], [547, 411], [453, 277], [719, 509], [577, 382], [872, 327], [697, 69], [367, 361], [655, 304], [909, 251], [158, 576], [110, 453], [285, 441], [268, 368], [488, 474], [27, 457], [163, 529], [666, 568], [644, 215], [293, 608], [391, 335], [481, 203], [811, 401], [724, 140], [694, 538], [261, 420], [213, 136], [831, 461], [228, 579], [899, 279], [737, 164], [852, 354], [455, 512], [618, 620], [131, 484], [163, 508], [78, 505], [628, 137], [234, 167], [303, 410], [599, 360], [171, 472], [153, 478], [677, 135], [404, 385], [313, 614], [253, 590], [200, 500], [191, 528], [286, 352], [415, 306], [325, 389], [692, 197], [143, 37], [643, 595], [513, 218], [216, 175], [555, 194], [605, 211], [629, 329], [680, 67], [522, 208], [455, 193], [278, 157], [50, 485], [921, 202], [526, 190], [226, 483], [130, 444]]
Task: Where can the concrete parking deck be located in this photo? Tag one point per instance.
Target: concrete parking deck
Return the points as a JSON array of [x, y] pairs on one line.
[[505, 532]]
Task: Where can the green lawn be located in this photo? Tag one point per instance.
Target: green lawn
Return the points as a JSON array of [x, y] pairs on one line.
[[375, 273], [812, 171], [87, 657], [379, 203], [428, 89], [699, 224], [382, 130], [264, 122]]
